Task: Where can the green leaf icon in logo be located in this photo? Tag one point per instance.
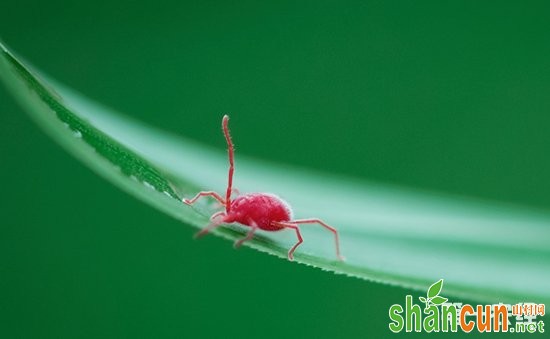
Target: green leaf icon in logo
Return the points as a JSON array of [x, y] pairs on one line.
[[432, 297], [439, 300], [435, 289]]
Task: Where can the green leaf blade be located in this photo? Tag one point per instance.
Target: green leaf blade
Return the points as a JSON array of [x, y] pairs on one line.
[[439, 300], [435, 288], [387, 234]]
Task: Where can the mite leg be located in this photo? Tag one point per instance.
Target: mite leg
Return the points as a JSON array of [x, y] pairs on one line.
[[248, 236], [204, 194], [217, 214], [328, 227], [291, 225], [210, 227]]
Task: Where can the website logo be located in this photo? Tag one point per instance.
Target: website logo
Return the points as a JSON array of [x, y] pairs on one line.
[[440, 315]]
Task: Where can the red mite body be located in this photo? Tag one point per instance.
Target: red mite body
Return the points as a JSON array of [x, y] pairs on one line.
[[263, 211]]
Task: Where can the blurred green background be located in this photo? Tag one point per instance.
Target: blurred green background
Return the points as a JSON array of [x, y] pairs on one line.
[[447, 97]]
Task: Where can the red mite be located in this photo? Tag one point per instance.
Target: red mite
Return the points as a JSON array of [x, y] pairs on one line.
[[263, 211]]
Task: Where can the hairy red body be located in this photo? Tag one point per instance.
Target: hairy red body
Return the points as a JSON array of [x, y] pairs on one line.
[[263, 211]]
